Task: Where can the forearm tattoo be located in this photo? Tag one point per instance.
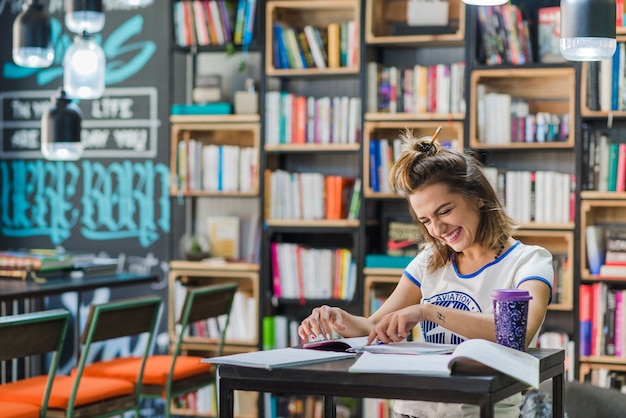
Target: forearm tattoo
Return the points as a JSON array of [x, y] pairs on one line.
[[441, 317]]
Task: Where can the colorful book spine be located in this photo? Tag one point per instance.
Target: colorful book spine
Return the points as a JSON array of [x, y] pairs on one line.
[[585, 311]]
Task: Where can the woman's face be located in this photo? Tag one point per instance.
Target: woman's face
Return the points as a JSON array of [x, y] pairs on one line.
[[448, 217]]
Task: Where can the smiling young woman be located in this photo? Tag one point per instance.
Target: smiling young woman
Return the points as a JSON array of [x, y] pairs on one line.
[[468, 252]]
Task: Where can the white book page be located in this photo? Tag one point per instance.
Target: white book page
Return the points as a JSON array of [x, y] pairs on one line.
[[282, 357], [522, 366], [401, 363]]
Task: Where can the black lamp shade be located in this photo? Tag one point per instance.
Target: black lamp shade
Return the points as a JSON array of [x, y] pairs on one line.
[[32, 37], [588, 19], [83, 5], [61, 129], [84, 15]]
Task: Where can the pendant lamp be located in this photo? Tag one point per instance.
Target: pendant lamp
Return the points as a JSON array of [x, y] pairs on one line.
[[485, 2], [32, 37], [60, 130], [84, 68], [587, 29], [136, 3], [84, 16]]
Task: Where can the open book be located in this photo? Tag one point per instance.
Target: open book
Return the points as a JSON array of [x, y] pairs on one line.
[[358, 345], [522, 366], [280, 357]]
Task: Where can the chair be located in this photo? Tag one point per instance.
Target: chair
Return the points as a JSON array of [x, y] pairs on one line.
[[78, 395], [169, 376], [32, 334]]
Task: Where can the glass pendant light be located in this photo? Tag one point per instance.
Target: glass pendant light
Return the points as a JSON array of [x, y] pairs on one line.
[[485, 2], [84, 16], [84, 68], [32, 37], [60, 130], [587, 29], [136, 3]]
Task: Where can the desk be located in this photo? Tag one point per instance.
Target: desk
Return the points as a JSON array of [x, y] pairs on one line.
[[469, 383], [16, 289], [13, 289]]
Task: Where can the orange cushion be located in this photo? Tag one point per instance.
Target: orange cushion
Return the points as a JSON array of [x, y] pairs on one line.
[[18, 410], [90, 390], [156, 370]]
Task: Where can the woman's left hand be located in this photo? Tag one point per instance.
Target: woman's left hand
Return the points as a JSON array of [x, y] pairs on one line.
[[396, 326]]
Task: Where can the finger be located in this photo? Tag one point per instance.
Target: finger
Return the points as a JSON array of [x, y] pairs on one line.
[[326, 318]]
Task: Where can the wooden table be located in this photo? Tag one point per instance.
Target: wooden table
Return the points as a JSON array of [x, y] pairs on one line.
[[469, 383]]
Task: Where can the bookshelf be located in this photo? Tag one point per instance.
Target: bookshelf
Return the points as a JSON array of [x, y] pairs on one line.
[[548, 92], [244, 314], [603, 203]]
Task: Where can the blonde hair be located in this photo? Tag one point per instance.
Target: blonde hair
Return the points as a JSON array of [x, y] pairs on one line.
[[424, 162]]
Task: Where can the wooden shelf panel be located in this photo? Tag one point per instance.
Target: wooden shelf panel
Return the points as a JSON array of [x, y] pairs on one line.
[[236, 130], [319, 13], [313, 148], [379, 14], [413, 117], [390, 130], [551, 90], [302, 223], [593, 212], [557, 242]]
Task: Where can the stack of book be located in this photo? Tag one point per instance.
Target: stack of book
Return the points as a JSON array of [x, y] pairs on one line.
[[41, 264]]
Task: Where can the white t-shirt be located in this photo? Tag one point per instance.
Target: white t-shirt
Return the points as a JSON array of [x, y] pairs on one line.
[[472, 292]]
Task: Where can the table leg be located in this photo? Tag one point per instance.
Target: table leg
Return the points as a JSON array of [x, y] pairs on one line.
[[486, 408], [557, 395], [330, 408], [226, 403]]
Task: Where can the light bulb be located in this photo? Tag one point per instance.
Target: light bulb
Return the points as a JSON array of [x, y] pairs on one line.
[[485, 2], [84, 69], [587, 49]]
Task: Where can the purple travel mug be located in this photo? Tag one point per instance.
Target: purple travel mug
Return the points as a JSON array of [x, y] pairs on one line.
[[510, 309]]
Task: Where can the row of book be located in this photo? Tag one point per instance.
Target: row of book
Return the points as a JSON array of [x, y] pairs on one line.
[[42, 264], [294, 119], [301, 272], [311, 196], [436, 88], [604, 161], [606, 249], [216, 168], [333, 46], [503, 119], [602, 317], [606, 89], [535, 196], [382, 154], [562, 274], [214, 22], [241, 326], [504, 35]]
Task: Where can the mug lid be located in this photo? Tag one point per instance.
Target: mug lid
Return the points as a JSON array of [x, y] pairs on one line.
[[510, 294]]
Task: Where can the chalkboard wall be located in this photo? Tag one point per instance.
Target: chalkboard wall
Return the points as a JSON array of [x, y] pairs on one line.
[[114, 201]]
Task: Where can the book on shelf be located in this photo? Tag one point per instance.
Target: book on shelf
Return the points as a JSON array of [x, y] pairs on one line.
[[36, 260], [224, 236], [595, 242], [517, 364], [615, 246], [549, 34]]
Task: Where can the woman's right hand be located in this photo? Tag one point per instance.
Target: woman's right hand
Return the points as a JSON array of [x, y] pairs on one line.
[[321, 324]]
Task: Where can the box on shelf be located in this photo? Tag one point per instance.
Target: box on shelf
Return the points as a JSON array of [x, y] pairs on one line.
[[217, 108], [427, 13]]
